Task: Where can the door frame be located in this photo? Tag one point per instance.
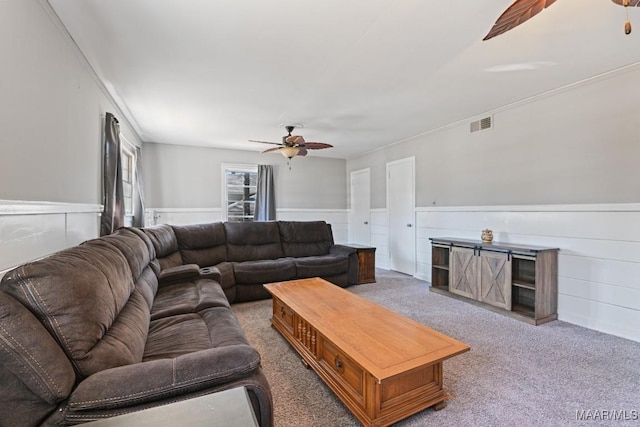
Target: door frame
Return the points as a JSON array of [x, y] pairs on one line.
[[412, 161]]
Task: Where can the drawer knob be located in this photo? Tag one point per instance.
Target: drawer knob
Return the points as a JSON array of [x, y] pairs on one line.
[[282, 312], [338, 363]]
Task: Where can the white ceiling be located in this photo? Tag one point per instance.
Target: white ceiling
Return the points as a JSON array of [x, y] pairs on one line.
[[358, 74]]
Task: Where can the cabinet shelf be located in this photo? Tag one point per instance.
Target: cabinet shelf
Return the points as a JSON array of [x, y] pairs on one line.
[[523, 309], [525, 283], [517, 280], [440, 267]]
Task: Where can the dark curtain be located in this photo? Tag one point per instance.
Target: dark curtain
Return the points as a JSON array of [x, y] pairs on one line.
[[265, 195], [138, 193], [113, 195]]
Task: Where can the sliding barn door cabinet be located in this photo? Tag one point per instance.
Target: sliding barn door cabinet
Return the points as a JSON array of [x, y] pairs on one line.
[[518, 280]]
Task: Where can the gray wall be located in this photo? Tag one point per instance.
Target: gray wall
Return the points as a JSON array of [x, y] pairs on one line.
[[51, 111], [577, 145], [191, 177]]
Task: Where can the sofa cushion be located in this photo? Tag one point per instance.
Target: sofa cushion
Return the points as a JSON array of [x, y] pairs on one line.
[[86, 298], [174, 336], [162, 378], [305, 238], [188, 297], [202, 244], [132, 248], [321, 266], [267, 271], [250, 241], [138, 251], [166, 245], [184, 353], [35, 374]]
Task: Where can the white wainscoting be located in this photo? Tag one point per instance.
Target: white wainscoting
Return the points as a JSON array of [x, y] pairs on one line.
[[598, 261], [338, 218], [182, 216], [31, 230], [380, 236]]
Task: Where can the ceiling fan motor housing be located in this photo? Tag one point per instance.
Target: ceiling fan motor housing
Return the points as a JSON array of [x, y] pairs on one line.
[[284, 138]]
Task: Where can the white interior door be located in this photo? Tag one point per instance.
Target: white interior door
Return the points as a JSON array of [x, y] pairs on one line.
[[361, 207], [401, 208]]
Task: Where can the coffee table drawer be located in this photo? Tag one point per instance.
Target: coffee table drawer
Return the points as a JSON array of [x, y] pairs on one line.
[[283, 314], [343, 367]]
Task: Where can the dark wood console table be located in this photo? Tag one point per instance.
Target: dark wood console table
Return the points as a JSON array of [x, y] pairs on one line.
[[366, 262]]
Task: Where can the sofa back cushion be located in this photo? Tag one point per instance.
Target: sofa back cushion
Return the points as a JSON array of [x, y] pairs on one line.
[[202, 244], [250, 241], [305, 238], [35, 374], [139, 251], [165, 243], [86, 298]]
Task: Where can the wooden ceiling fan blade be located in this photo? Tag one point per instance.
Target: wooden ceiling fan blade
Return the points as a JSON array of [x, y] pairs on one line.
[[519, 12], [270, 150], [632, 3], [316, 145], [302, 152]]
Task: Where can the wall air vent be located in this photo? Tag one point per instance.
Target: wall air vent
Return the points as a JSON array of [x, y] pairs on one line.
[[482, 124]]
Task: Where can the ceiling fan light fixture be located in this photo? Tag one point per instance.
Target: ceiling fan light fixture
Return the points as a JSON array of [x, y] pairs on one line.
[[289, 152]]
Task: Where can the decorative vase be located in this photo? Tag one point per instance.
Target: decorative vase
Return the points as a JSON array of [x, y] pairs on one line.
[[487, 236]]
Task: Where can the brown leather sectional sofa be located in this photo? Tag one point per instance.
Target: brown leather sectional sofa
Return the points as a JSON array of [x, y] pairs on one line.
[[131, 320]]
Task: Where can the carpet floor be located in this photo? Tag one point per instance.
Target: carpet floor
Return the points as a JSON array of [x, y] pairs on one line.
[[516, 374]]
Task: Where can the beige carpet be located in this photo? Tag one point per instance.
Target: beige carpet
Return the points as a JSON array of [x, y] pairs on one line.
[[515, 374]]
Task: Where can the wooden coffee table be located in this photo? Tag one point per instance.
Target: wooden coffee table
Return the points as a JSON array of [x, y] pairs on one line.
[[383, 366]]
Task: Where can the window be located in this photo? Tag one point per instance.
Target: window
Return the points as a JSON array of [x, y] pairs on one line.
[[239, 191], [128, 168]]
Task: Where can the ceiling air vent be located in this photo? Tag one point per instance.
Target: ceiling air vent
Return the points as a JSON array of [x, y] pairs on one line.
[[482, 124]]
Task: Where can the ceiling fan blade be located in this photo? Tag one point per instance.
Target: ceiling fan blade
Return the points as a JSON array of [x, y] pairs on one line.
[[316, 145], [632, 3], [266, 142], [295, 139], [302, 152], [272, 149], [519, 12]]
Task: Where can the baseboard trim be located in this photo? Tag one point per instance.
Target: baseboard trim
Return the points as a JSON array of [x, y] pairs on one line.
[[421, 277]]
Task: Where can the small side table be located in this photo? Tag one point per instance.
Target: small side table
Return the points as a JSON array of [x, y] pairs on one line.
[[366, 262], [230, 407]]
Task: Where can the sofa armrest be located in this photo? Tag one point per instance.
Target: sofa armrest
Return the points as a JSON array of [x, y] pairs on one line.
[[341, 250], [179, 273], [354, 266], [140, 383], [221, 273]]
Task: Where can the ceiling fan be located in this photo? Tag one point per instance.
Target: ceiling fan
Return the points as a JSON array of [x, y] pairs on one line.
[[522, 10], [293, 145]]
